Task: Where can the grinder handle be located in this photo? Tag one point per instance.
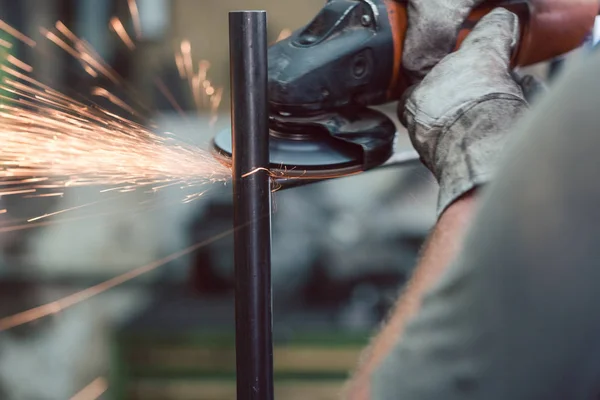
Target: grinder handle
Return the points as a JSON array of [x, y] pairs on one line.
[[521, 9], [549, 28]]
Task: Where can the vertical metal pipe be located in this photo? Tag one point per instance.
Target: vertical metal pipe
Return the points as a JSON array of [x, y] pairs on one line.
[[252, 202]]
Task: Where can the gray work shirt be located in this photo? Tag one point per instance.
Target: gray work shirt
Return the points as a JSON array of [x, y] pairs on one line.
[[517, 316]]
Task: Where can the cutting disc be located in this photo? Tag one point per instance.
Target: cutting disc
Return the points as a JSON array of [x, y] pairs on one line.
[[322, 146]]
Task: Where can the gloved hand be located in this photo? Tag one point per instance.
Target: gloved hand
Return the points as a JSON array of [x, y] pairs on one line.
[[433, 27], [459, 116]]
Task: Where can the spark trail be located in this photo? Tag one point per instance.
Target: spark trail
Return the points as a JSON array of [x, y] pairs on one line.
[[92, 391], [58, 306], [47, 134], [51, 141]]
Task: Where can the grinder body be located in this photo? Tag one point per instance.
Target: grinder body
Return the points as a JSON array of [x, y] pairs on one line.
[[323, 78], [351, 53]]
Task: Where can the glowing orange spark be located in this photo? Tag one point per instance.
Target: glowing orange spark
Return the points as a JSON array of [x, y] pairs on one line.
[[179, 63], [193, 197], [6, 44], [11, 192], [32, 81], [90, 57], [89, 70], [183, 61], [15, 61], [27, 226], [117, 26], [92, 391], [135, 17], [59, 42], [97, 64], [156, 188], [113, 189], [13, 32], [22, 181], [186, 53], [186, 47], [203, 67], [75, 298], [64, 211], [254, 171], [62, 142], [49, 135], [168, 95], [196, 91], [216, 99], [81, 50], [3, 211], [284, 34], [62, 28], [98, 91], [57, 194]]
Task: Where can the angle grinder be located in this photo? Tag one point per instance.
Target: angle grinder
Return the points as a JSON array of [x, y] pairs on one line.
[[324, 77]]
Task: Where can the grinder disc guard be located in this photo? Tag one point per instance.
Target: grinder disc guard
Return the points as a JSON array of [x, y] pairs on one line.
[[323, 145]]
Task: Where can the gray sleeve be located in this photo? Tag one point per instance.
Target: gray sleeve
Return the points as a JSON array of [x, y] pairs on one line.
[[517, 316]]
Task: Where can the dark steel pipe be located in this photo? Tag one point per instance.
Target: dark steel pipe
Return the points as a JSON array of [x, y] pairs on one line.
[[252, 204]]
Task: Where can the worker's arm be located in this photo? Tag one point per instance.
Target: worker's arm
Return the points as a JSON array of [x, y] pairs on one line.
[[441, 248], [458, 119], [515, 315]]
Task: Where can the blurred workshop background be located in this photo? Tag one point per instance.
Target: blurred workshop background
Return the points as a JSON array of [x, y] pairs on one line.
[[341, 249]]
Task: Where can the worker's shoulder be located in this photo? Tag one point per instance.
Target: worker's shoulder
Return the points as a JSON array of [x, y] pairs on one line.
[[570, 109], [579, 81]]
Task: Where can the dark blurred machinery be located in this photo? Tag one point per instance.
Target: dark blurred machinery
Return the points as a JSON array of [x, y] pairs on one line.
[[323, 78], [326, 251]]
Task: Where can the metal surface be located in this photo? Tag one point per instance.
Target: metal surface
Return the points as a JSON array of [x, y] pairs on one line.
[[398, 159], [319, 153], [287, 175], [325, 144], [252, 202]]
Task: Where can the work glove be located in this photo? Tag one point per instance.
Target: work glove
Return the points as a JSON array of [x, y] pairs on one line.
[[433, 27], [459, 116]]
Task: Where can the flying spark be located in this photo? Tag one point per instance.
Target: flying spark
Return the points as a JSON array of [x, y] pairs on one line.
[[76, 298], [208, 99], [135, 16], [15, 33], [49, 135], [92, 391], [117, 26], [168, 95], [129, 212], [6, 44], [284, 34], [81, 51], [18, 63], [101, 92], [52, 138], [203, 93], [179, 64]]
